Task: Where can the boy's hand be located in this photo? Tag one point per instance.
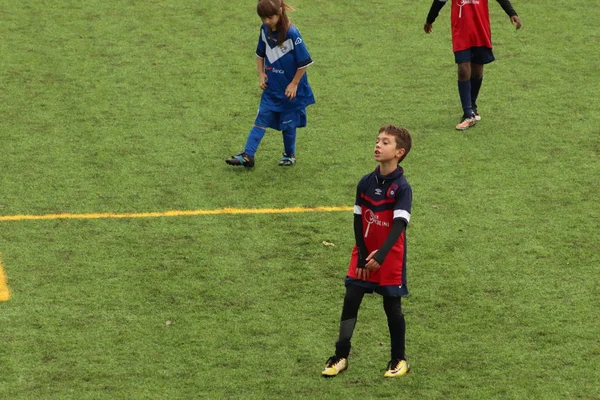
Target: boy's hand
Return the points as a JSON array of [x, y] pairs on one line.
[[371, 263], [290, 90], [429, 27], [362, 273], [516, 21], [262, 81]]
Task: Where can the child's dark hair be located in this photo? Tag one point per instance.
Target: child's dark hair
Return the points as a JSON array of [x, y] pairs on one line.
[[402, 136], [268, 8]]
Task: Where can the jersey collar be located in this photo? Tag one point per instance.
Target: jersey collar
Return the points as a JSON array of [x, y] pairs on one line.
[[390, 177]]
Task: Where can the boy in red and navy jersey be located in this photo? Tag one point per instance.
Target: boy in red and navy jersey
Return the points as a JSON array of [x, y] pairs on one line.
[[378, 262], [472, 46]]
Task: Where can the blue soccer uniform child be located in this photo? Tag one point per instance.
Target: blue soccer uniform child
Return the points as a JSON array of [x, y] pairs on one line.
[[282, 59], [378, 263]]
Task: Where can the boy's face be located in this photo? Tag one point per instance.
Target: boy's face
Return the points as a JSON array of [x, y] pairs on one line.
[[385, 148]]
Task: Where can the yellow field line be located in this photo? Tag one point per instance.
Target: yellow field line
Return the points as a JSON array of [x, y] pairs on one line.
[[175, 213], [4, 292]]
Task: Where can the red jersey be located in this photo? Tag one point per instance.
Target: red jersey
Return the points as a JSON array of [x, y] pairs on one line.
[[470, 24], [379, 200]]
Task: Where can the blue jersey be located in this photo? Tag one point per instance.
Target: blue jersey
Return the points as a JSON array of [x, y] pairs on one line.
[[281, 64]]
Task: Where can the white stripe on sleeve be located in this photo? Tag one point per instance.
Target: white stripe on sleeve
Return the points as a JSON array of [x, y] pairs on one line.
[[357, 210], [402, 214]]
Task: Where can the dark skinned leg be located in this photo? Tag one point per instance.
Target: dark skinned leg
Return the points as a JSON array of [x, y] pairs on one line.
[[476, 80], [464, 87]]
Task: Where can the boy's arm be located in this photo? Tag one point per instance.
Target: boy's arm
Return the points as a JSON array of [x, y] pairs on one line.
[[358, 228], [360, 241], [507, 7], [510, 11], [434, 11], [398, 227]]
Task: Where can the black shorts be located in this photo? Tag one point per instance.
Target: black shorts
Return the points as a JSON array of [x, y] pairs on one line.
[[370, 287], [477, 55]]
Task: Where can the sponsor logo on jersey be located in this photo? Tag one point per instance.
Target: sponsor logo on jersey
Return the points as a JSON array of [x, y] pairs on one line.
[[462, 3], [274, 70], [378, 192], [372, 218], [298, 41]]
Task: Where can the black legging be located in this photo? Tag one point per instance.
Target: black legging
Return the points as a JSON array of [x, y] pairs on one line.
[[395, 317]]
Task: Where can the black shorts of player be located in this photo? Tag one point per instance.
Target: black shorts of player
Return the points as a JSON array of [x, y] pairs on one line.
[[370, 287], [477, 55]]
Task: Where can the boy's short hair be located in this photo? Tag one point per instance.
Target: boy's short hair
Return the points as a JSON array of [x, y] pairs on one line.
[[402, 136]]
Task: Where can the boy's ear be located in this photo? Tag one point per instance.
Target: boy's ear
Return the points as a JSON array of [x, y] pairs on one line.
[[400, 152]]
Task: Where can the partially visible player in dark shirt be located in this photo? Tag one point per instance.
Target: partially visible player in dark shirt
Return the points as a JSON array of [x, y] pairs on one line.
[[472, 46]]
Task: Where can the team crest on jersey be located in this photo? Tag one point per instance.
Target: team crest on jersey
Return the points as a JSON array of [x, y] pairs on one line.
[[391, 192]]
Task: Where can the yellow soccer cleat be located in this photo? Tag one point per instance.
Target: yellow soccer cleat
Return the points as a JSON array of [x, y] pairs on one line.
[[397, 368], [334, 366]]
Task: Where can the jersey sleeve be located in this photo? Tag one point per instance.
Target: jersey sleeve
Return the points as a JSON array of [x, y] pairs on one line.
[[303, 59], [402, 208], [403, 203], [359, 239], [360, 189], [434, 10], [261, 50], [507, 7]]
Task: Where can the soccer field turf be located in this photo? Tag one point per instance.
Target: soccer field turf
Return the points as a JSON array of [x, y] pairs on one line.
[[125, 111]]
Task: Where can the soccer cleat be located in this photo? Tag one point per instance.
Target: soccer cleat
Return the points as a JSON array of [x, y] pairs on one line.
[[288, 160], [476, 113], [396, 368], [242, 159], [466, 123], [334, 366]]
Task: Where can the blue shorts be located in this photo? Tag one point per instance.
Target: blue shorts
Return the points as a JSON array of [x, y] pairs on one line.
[[370, 287], [477, 55], [281, 120]]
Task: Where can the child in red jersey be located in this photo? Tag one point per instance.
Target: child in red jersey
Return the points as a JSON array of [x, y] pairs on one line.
[[378, 262], [472, 46]]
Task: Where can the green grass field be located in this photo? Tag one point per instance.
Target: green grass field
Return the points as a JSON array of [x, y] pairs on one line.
[[131, 107]]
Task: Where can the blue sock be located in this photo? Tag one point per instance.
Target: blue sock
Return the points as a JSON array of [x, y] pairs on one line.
[[475, 86], [464, 90], [254, 137], [289, 141]]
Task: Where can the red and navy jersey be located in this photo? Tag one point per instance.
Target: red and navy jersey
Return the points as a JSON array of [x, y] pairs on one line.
[[380, 199], [470, 21], [470, 24]]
